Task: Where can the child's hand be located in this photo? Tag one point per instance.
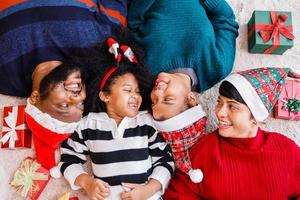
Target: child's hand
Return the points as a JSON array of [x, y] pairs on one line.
[[140, 191], [134, 192], [95, 188]]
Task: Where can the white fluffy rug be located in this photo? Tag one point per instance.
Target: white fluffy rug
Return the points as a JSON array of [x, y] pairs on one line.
[[10, 159]]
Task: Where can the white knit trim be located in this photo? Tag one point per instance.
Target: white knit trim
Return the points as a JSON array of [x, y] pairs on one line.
[[181, 120], [250, 96], [49, 122], [296, 71]]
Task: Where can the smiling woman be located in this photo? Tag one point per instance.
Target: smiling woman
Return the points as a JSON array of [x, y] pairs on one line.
[[235, 118], [61, 99], [54, 107], [240, 160]]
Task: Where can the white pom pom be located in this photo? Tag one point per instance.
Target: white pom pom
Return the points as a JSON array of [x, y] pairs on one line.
[[55, 172], [196, 175]]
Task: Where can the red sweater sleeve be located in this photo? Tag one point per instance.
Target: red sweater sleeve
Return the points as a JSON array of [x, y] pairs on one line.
[[181, 187], [296, 180]]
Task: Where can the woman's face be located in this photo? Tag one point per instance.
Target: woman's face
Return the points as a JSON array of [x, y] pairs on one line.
[[124, 99], [235, 119], [65, 101]]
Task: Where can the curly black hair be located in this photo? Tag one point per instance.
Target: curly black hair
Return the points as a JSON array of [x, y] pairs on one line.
[[60, 74], [100, 61]]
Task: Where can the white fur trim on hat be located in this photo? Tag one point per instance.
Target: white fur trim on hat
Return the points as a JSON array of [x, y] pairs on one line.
[[181, 120], [196, 175], [49, 122], [250, 96], [297, 71], [55, 172]]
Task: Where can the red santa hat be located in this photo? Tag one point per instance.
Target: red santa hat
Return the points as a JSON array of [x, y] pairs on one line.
[[181, 132], [48, 134]]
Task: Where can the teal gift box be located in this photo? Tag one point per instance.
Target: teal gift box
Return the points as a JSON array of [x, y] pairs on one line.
[[270, 32]]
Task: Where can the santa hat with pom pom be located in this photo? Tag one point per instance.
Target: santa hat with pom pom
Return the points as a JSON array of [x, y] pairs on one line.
[[48, 134], [181, 132]]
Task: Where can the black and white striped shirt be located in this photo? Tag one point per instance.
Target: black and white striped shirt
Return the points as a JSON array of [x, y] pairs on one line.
[[132, 152]]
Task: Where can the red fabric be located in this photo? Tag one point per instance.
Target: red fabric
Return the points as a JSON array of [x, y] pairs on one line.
[[45, 142], [264, 167], [183, 139]]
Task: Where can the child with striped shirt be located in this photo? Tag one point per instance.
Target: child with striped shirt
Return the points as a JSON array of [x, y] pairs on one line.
[[129, 157]]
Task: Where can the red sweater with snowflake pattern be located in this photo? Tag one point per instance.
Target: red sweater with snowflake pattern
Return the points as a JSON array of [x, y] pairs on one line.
[[264, 167]]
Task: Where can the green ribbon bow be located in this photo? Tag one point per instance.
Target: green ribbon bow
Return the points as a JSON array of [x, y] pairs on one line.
[[293, 105]]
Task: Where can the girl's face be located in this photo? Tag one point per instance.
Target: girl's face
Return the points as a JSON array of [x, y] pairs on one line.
[[235, 119], [124, 99]]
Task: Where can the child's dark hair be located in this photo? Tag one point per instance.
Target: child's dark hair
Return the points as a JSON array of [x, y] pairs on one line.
[[60, 74], [100, 61], [226, 89]]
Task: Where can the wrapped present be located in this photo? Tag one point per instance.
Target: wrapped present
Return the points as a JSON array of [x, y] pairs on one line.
[[15, 132], [66, 196], [288, 105], [30, 179], [270, 32]]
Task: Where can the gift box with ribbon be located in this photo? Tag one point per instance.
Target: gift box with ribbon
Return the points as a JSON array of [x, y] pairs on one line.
[[270, 32], [288, 105], [66, 196], [15, 132], [30, 179]]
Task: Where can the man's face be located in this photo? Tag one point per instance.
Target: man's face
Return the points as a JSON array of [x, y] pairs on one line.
[[170, 95], [65, 100]]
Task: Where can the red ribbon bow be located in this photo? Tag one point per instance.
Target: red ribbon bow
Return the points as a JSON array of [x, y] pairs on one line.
[[273, 31]]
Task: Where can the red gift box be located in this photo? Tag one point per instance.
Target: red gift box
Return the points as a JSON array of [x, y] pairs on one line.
[[290, 91], [15, 132], [30, 179]]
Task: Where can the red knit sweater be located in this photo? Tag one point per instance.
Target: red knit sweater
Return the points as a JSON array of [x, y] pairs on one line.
[[264, 167]]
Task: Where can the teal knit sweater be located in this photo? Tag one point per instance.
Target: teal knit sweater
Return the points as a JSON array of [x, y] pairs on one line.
[[180, 35]]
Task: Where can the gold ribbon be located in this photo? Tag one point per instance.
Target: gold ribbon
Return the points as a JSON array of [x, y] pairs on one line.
[[25, 177]]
